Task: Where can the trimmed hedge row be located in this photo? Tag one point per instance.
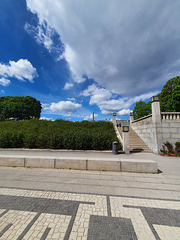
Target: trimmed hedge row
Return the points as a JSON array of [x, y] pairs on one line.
[[59, 134]]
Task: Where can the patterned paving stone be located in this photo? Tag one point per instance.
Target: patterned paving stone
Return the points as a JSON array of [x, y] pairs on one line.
[[106, 228], [32, 214]]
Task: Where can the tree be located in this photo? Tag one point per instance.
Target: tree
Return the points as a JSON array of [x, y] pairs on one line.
[[142, 109], [169, 96], [169, 99], [176, 99], [19, 108]]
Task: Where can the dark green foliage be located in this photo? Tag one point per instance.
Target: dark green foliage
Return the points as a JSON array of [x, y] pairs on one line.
[[176, 99], [59, 134], [168, 149], [19, 108], [170, 96], [142, 109], [169, 100], [177, 147]]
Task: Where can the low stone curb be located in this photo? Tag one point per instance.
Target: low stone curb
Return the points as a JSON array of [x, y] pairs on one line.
[[81, 163]]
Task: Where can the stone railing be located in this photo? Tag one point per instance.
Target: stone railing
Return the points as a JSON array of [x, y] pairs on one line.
[[170, 116], [147, 118]]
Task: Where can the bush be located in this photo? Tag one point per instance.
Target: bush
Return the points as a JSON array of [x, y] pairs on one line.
[[177, 147], [168, 149], [59, 134]]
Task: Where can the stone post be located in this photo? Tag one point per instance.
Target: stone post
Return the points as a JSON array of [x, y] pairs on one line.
[[126, 139], [131, 118], [156, 112], [156, 120], [114, 118]]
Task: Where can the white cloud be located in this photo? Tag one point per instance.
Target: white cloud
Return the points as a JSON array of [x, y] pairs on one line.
[[41, 33], [68, 86], [22, 70], [90, 117], [71, 99], [64, 107], [109, 42], [97, 94], [124, 112], [103, 99], [45, 118], [4, 82], [2, 91]]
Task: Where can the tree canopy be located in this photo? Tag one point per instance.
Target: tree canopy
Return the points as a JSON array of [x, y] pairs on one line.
[[19, 108], [170, 95], [142, 109], [169, 99]]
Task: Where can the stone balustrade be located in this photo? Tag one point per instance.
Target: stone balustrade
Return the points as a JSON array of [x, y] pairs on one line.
[[170, 116]]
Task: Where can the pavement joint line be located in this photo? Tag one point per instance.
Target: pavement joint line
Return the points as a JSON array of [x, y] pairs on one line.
[[99, 194], [108, 206], [54, 163], [5, 211], [5, 229], [45, 234]]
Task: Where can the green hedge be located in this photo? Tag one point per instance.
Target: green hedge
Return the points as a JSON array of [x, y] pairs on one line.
[[59, 134]]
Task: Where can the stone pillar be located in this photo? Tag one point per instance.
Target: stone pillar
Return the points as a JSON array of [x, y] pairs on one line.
[[131, 118], [126, 139], [114, 118], [156, 112]]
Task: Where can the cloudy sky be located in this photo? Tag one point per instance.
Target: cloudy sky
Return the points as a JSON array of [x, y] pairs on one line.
[[79, 56]]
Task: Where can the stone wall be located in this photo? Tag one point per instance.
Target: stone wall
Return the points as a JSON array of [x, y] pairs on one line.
[[157, 128], [168, 131]]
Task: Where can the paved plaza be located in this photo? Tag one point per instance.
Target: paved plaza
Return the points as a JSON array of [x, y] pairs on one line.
[[69, 204]]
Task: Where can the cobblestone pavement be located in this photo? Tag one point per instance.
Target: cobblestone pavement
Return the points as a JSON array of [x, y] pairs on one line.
[[44, 213], [28, 214]]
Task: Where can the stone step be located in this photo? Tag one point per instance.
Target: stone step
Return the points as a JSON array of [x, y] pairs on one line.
[[135, 142]]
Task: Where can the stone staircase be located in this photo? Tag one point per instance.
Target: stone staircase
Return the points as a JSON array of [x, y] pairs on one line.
[[136, 144]]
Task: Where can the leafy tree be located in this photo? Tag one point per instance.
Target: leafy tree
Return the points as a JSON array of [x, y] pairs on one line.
[[141, 109], [176, 99], [169, 99], [19, 108], [169, 96]]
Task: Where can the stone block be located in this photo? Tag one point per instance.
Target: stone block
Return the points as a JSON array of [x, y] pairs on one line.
[[166, 136], [71, 163], [175, 124], [165, 125], [12, 162], [39, 162], [139, 166], [175, 135], [174, 130], [165, 130], [100, 165]]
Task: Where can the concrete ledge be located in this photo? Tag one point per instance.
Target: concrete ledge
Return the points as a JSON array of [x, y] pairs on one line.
[[12, 162], [82, 163], [39, 162], [101, 165], [138, 166], [73, 163]]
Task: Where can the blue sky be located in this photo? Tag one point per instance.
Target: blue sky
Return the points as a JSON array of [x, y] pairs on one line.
[[82, 56]]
